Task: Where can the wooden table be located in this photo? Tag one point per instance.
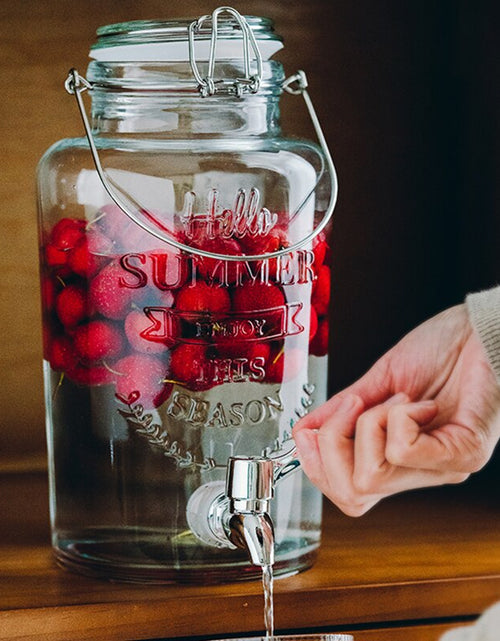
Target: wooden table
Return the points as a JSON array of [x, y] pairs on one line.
[[413, 567]]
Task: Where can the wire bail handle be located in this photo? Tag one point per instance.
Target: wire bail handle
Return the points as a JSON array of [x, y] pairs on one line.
[[208, 86], [296, 84]]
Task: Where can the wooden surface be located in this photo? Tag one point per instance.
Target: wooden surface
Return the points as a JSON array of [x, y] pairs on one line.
[[404, 572]]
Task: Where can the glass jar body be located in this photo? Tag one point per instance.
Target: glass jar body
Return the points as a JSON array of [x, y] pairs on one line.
[[159, 363]]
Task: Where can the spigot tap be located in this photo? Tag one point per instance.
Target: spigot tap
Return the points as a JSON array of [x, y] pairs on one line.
[[249, 488], [237, 515]]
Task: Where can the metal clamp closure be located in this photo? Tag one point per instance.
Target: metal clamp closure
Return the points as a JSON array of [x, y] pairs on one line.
[[207, 84]]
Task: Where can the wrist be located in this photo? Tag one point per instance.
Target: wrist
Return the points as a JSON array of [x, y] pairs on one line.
[[483, 309]]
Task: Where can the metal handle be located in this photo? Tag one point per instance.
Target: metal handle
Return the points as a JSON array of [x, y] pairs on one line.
[[251, 479]]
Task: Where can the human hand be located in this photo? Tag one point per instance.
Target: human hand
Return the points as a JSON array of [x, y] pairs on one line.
[[427, 413]]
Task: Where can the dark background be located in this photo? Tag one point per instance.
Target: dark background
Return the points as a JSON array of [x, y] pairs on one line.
[[407, 93], [412, 116]]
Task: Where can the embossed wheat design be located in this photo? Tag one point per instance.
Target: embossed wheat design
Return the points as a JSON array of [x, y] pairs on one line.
[[158, 437]]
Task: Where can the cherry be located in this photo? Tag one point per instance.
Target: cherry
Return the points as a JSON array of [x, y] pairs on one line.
[[143, 377], [257, 296], [189, 366], [61, 353], [109, 293], [321, 291], [66, 233], [201, 297], [89, 254], [319, 344], [71, 305], [98, 340]]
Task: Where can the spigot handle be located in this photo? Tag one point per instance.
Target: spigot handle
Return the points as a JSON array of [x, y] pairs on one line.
[[249, 483], [285, 463], [250, 480]]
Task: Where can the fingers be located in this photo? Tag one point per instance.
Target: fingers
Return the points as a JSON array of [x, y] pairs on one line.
[[318, 416], [358, 457], [327, 454], [375, 471], [447, 448], [373, 436], [336, 445]]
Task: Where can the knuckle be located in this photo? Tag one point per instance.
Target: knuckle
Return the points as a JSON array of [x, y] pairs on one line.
[[458, 477], [314, 474], [352, 501], [365, 482], [478, 458], [397, 452], [354, 510]]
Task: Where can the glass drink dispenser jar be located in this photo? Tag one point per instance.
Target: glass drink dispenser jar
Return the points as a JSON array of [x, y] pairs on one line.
[[185, 285]]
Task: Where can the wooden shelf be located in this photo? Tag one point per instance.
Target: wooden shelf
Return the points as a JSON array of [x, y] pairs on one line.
[[413, 567]]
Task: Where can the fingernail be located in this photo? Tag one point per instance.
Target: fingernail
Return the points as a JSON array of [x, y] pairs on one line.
[[400, 397], [426, 403]]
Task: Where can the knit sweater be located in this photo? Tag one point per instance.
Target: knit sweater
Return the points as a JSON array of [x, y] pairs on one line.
[[486, 628], [484, 314]]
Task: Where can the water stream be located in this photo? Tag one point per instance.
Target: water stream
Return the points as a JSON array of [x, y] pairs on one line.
[[267, 584]]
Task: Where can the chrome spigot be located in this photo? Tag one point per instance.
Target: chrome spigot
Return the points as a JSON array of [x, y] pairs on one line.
[[237, 515], [249, 488]]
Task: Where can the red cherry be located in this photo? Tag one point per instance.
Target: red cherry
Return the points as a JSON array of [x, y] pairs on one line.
[[274, 240], [319, 247], [319, 344], [321, 291], [257, 296], [89, 254], [144, 378], [110, 294], [66, 233], [201, 297], [218, 269], [61, 353], [55, 257], [71, 305], [189, 365], [136, 323], [98, 340]]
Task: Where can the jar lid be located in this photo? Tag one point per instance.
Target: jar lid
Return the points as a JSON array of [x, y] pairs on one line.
[[168, 40]]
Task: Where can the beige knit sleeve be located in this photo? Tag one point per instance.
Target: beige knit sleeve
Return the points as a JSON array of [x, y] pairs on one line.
[[484, 314]]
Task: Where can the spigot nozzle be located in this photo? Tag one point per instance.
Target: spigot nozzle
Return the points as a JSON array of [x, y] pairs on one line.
[[253, 532]]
